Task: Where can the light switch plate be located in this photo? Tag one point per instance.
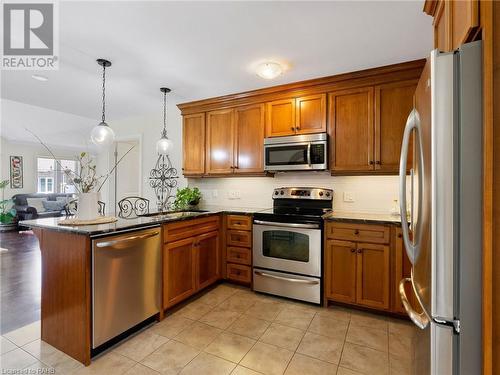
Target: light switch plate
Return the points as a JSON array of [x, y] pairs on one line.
[[348, 197]]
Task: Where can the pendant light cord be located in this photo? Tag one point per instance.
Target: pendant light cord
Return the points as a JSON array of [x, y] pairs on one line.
[[164, 132], [104, 93]]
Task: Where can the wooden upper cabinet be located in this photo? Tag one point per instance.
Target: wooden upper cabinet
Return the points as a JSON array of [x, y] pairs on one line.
[[351, 130], [249, 142], [280, 118], [441, 27], [373, 276], [310, 114], [393, 104], [193, 139], [207, 250], [340, 271], [464, 19], [220, 141]]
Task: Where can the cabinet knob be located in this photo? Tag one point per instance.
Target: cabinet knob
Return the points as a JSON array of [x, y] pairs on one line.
[[378, 162], [360, 251], [356, 232], [370, 162], [292, 128], [353, 250], [400, 235]]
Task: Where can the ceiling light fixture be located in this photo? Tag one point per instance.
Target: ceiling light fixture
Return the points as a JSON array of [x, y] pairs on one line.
[[269, 70], [39, 77], [164, 144], [102, 134]]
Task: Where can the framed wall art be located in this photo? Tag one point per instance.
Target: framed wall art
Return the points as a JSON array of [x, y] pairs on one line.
[[16, 172]]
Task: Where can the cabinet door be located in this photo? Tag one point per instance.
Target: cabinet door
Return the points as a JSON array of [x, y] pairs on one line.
[[393, 104], [340, 271], [220, 142], [207, 251], [193, 139], [402, 270], [280, 118], [442, 27], [249, 128], [311, 114], [351, 130], [372, 285], [464, 19], [178, 271]]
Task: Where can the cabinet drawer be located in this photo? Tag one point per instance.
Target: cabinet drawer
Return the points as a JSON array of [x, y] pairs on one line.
[[239, 222], [358, 232], [239, 255], [239, 238], [240, 273], [189, 228]]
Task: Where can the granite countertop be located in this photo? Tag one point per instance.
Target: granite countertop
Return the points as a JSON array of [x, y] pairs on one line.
[[360, 217], [124, 224]]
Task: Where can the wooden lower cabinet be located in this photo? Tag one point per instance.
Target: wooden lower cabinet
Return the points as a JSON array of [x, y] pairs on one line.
[[207, 259], [238, 255], [372, 275], [402, 269], [340, 271]]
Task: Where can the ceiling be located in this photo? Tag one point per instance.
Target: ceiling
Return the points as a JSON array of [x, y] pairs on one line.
[[205, 49]]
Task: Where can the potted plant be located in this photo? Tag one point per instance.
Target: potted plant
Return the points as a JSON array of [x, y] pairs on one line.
[[7, 213], [187, 198]]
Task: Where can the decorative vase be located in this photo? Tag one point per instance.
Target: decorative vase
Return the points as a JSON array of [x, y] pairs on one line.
[[88, 206]]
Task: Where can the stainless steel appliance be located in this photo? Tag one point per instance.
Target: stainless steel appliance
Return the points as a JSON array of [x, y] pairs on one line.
[[443, 240], [296, 153], [288, 243], [126, 282]]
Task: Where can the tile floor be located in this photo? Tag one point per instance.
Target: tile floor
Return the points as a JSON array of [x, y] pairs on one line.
[[230, 330]]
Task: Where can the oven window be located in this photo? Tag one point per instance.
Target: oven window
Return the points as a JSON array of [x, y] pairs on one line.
[[285, 245], [286, 155]]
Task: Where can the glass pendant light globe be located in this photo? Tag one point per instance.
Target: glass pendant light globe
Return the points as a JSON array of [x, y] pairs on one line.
[[164, 146], [102, 135]]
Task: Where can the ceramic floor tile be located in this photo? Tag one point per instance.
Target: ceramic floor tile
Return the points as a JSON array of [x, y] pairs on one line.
[[6, 345], [230, 346], [170, 358], [194, 310], [282, 336], [217, 295], [267, 359], [198, 335], [363, 319], [335, 312], [141, 345], [42, 368], [16, 359], [171, 326], [295, 317], [373, 338], [365, 360], [321, 347], [267, 310], [400, 366], [208, 364], [25, 334], [109, 364], [237, 302], [327, 326], [139, 369], [401, 345], [402, 327], [240, 370], [52, 356], [220, 318], [302, 365], [346, 371], [248, 326]]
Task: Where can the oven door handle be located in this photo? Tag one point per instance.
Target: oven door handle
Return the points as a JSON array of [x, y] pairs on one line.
[[287, 225], [309, 154], [299, 281]]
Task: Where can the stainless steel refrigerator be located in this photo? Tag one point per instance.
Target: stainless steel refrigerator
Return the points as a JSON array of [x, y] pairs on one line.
[[443, 238]]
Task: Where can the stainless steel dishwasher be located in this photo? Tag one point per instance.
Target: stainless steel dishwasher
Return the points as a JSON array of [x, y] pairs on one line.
[[126, 282]]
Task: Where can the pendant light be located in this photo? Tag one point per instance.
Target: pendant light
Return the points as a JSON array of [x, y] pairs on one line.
[[102, 134], [164, 145]]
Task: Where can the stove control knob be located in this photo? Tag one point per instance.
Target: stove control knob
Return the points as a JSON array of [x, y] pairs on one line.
[[327, 193], [282, 192], [276, 192], [320, 193]]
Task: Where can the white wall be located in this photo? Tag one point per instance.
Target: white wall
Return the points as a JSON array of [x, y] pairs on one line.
[[370, 193], [29, 152]]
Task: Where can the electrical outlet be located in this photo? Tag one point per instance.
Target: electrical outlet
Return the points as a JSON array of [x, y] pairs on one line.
[[215, 193], [348, 197]]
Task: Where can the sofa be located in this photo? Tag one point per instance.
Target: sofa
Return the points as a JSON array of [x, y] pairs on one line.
[[27, 212]]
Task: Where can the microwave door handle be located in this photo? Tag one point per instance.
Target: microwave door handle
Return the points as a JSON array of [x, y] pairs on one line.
[[309, 154]]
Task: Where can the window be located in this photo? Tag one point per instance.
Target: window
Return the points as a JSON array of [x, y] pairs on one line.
[[51, 177]]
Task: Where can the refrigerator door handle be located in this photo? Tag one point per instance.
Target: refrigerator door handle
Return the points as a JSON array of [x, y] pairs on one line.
[[412, 247], [421, 320]]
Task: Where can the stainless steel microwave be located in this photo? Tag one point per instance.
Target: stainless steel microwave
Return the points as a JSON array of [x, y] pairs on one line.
[[296, 153]]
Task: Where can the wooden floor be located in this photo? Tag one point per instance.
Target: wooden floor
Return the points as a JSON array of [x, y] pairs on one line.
[[19, 280]]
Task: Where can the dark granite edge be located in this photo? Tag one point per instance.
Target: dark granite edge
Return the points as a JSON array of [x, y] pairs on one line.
[[362, 221]]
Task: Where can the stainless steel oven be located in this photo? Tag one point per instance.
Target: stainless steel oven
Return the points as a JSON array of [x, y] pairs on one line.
[[296, 153]]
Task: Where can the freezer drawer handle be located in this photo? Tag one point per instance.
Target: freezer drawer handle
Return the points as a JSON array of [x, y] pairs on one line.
[[300, 281], [126, 239], [420, 320], [287, 225]]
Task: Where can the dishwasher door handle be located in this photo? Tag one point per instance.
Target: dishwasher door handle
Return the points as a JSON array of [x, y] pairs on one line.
[[126, 239]]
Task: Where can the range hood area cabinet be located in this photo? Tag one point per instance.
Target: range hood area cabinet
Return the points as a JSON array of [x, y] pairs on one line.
[[366, 127], [304, 115], [363, 112]]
